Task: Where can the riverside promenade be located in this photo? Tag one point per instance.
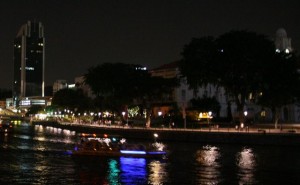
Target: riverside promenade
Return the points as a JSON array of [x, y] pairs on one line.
[[262, 134]]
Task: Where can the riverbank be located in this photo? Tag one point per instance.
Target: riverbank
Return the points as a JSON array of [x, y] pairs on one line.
[[246, 136]]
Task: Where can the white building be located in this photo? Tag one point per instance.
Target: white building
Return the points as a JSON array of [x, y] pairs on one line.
[[282, 41], [59, 84], [79, 83]]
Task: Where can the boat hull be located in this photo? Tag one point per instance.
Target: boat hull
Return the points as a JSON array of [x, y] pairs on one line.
[[142, 154]]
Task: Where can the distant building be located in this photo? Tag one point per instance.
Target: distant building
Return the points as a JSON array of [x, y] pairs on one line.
[[59, 85], [79, 83], [29, 62], [282, 42]]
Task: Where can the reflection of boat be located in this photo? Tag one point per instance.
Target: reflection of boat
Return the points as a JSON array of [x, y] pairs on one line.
[[5, 124], [115, 146]]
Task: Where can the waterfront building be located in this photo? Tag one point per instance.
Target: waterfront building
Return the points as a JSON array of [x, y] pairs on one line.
[[29, 62]]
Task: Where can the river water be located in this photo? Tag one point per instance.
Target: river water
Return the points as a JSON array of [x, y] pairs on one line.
[[37, 155]]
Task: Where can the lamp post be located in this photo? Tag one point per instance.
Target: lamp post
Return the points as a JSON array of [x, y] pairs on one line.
[[245, 114], [155, 136], [123, 114], [208, 118]]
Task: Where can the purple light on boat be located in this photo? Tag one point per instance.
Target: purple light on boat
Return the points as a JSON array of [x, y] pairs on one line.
[[132, 152], [157, 153], [68, 152]]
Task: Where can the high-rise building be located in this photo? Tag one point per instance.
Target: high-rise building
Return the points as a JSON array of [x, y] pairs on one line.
[[29, 61]]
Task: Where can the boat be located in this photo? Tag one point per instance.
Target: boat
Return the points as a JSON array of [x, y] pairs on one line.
[[115, 146]]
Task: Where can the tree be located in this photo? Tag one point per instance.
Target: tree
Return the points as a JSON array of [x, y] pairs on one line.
[[115, 79], [155, 89], [34, 110], [72, 99], [122, 83], [236, 61], [206, 104], [281, 84]]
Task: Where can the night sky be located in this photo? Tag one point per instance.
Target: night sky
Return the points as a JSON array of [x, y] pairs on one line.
[[82, 33]]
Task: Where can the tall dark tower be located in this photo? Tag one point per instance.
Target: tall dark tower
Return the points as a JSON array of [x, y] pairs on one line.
[[29, 61]]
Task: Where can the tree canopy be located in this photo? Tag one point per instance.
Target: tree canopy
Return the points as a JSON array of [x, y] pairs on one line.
[[72, 99], [281, 83], [122, 83], [239, 61]]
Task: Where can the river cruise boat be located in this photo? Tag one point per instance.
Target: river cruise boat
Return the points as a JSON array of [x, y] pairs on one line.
[[115, 146]]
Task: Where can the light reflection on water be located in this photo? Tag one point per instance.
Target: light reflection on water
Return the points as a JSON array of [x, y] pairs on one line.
[[113, 172], [34, 155], [208, 167], [210, 161], [157, 172], [133, 170], [66, 136], [247, 163]]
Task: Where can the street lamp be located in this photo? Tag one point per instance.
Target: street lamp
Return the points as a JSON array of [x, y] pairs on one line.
[[159, 113], [209, 117], [124, 114], [155, 136], [242, 124], [245, 114]]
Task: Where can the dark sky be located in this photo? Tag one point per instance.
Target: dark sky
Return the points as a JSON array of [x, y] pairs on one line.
[[82, 33]]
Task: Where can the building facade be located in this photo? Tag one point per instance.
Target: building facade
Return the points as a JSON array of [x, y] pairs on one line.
[[29, 62]]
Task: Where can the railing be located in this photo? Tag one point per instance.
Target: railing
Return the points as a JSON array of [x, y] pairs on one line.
[[206, 129]]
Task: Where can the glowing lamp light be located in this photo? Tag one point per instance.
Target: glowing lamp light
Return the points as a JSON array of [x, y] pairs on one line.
[[209, 114]]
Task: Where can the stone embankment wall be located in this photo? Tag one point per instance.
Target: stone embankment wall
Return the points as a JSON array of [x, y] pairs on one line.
[[182, 135]]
